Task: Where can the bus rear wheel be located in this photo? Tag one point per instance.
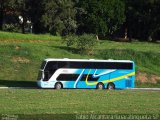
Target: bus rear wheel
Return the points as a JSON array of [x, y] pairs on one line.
[[58, 86], [100, 86], [111, 86]]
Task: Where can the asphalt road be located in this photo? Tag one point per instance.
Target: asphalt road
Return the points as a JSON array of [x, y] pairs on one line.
[[142, 89]]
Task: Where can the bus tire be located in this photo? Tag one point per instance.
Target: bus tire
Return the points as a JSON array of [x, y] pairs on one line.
[[110, 86], [58, 86], [100, 86]]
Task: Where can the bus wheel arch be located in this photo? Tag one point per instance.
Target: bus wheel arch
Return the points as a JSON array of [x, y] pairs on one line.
[[100, 86], [111, 86], [58, 85]]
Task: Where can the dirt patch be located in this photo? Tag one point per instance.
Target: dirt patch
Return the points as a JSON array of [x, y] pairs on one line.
[[22, 41], [38, 41], [155, 78], [142, 77], [20, 60], [145, 78]]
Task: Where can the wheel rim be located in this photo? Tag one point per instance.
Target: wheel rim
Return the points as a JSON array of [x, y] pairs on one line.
[[100, 86], [58, 86], [110, 87]]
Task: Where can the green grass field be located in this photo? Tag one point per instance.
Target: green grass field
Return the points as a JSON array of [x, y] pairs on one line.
[[20, 59], [26, 37], [24, 101], [22, 54]]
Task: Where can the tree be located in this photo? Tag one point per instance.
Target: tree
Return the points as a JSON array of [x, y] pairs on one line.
[[59, 16], [20, 9], [1, 13], [101, 17], [153, 19], [3, 9], [145, 16], [35, 12]]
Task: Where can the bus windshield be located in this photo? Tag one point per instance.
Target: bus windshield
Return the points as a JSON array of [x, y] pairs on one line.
[[43, 65], [51, 66]]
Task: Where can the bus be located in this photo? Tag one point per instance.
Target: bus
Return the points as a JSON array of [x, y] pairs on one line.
[[86, 73]]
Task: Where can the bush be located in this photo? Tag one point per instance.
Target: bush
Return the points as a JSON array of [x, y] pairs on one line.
[[70, 40], [84, 43], [11, 27]]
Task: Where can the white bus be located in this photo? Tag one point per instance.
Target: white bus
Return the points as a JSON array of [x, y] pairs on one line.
[[83, 73]]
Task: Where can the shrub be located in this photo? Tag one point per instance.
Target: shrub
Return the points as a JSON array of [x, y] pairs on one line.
[[84, 43], [70, 40], [11, 27]]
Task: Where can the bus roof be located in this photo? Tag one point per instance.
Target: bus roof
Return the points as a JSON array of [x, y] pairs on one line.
[[86, 60]]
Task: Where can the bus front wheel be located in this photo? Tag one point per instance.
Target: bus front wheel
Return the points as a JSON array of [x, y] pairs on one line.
[[58, 85], [100, 86], [111, 86]]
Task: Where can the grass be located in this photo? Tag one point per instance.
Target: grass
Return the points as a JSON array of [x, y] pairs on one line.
[[146, 55], [19, 36], [24, 101], [145, 61], [146, 85], [21, 55], [20, 59]]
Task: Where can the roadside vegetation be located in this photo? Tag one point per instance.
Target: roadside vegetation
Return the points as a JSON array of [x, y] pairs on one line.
[[20, 58], [39, 102], [115, 29], [27, 37]]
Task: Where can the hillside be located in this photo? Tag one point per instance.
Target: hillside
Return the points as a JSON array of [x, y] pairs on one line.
[[21, 56]]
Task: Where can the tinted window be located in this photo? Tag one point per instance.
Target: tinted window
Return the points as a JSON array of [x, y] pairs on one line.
[[90, 78], [101, 65], [81, 65], [67, 77], [88, 65], [47, 76], [63, 64], [73, 77], [51, 66], [112, 65]]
